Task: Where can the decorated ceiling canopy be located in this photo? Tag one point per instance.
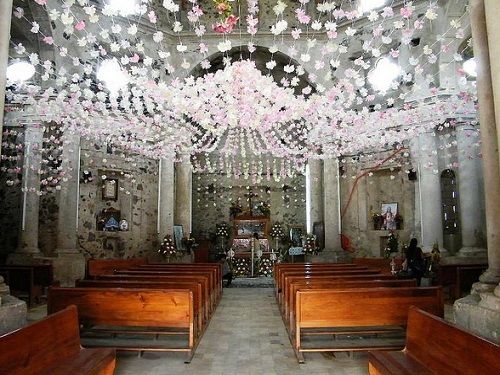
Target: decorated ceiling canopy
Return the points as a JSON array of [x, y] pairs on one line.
[[248, 81]]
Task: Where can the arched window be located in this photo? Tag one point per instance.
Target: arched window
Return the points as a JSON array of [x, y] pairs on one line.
[[449, 202]]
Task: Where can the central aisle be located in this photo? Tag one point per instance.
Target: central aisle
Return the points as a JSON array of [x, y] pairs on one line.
[[246, 336]]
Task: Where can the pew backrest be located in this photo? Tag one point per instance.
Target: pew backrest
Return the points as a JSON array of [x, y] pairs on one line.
[[447, 349], [98, 267], [126, 307], [363, 307], [37, 347]]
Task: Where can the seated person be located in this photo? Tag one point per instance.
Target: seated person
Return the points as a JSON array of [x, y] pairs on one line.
[[415, 263], [227, 274]]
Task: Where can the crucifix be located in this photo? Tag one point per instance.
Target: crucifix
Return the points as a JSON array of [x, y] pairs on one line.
[[250, 195]]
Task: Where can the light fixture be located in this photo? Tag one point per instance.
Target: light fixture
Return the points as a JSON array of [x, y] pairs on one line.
[[470, 67], [384, 74], [368, 5], [20, 71], [113, 76], [124, 7]]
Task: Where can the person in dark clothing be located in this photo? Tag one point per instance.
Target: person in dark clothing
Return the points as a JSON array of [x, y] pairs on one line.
[[415, 260], [227, 274]]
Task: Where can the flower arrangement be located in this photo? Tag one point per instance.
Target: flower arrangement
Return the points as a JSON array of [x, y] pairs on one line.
[[277, 231], [222, 230], [167, 247], [310, 246], [228, 19], [241, 267], [266, 267], [392, 245]]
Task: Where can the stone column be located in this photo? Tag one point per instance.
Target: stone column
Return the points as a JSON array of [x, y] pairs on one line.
[[68, 196], [480, 311], [28, 239], [492, 10], [315, 193], [166, 191], [472, 220], [429, 192], [5, 17], [183, 195], [488, 125], [331, 205], [70, 263]]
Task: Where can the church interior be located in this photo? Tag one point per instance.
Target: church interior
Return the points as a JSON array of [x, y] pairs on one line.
[[249, 187]]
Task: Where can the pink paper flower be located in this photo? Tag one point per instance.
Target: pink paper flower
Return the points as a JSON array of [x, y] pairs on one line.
[[48, 40], [41, 2], [80, 26], [302, 16]]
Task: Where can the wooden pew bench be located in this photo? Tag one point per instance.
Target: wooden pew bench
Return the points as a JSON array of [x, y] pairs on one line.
[[207, 293], [212, 287], [51, 346], [99, 267], [434, 346], [288, 279], [364, 310], [132, 312], [289, 309], [315, 273], [200, 304], [215, 270]]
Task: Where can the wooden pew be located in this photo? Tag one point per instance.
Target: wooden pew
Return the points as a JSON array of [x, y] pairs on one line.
[[216, 269], [131, 311], [383, 264], [360, 309], [314, 273], [52, 346], [288, 279], [289, 305], [200, 306], [207, 292], [214, 288], [434, 346], [280, 267], [98, 267]]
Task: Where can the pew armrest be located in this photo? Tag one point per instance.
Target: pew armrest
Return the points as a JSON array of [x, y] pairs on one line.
[[395, 363]]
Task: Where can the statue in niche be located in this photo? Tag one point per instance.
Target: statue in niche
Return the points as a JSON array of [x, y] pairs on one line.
[[109, 220]]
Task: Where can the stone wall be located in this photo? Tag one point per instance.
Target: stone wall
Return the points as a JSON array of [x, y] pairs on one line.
[[137, 202], [213, 195], [386, 185]]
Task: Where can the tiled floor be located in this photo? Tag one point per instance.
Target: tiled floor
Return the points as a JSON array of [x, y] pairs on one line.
[[246, 336]]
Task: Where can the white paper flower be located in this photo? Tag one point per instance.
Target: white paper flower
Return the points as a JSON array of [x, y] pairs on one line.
[[279, 8], [158, 37], [181, 48], [271, 65]]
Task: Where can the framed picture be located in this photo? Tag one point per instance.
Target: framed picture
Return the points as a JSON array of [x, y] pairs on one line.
[[110, 189], [247, 228], [389, 212], [295, 233], [178, 235]]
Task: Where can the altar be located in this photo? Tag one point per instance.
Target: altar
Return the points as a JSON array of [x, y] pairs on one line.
[[248, 258]]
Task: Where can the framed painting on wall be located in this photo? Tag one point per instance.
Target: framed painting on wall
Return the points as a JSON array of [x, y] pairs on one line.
[[295, 233], [247, 228], [389, 212], [110, 189]]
